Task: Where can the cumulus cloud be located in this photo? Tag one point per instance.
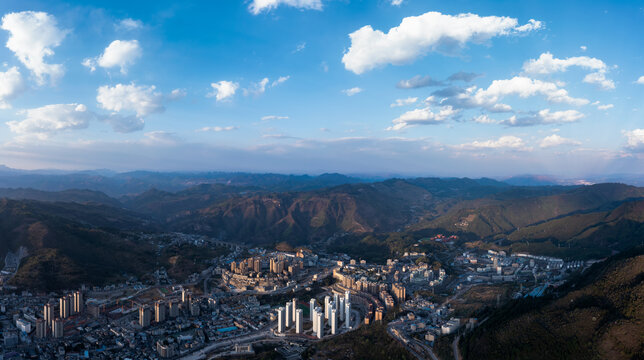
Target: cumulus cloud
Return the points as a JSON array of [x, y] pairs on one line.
[[352, 91], [463, 76], [33, 36], [217, 128], [640, 80], [424, 116], [404, 102], [605, 106], [418, 81], [635, 139], [417, 35], [396, 2], [545, 116], [119, 53], [129, 24], [258, 6], [490, 97], [273, 117], [143, 100], [548, 64], [11, 85], [50, 119], [583, 48], [504, 142], [556, 140], [223, 90]]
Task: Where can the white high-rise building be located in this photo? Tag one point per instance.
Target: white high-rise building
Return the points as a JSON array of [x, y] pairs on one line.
[[299, 321], [327, 306], [334, 321], [289, 313], [320, 325], [335, 300], [347, 296], [314, 319], [294, 309], [347, 315], [311, 308], [341, 308], [281, 320]]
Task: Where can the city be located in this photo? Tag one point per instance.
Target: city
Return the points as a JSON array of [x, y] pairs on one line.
[[219, 314], [321, 180]]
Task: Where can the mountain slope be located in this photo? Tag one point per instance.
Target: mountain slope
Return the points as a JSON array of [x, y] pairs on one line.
[[597, 316], [69, 244], [498, 217]]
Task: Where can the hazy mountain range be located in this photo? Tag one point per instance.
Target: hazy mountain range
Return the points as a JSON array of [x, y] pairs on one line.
[[567, 221]]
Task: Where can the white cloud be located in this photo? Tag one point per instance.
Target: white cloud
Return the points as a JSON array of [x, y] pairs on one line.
[[548, 64], [258, 6], [257, 88], [352, 91], [223, 90], [129, 24], [143, 100], [424, 116], [530, 26], [273, 117], [545, 116], [396, 2], [508, 142], [489, 98], [640, 80], [583, 48], [418, 82], [605, 107], [280, 80], [177, 94], [635, 139], [556, 140], [523, 87], [484, 119], [417, 35], [11, 85], [33, 36], [121, 53], [51, 119], [301, 46], [217, 128], [404, 102]]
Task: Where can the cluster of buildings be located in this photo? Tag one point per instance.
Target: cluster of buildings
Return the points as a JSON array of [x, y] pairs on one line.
[[497, 266], [269, 272], [331, 314]]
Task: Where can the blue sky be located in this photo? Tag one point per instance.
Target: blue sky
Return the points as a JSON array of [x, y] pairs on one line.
[[307, 86]]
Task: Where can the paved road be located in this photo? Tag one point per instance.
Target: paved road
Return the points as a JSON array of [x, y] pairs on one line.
[[201, 354]]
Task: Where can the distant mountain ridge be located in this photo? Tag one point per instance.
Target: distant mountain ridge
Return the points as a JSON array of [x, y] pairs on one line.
[[136, 182]]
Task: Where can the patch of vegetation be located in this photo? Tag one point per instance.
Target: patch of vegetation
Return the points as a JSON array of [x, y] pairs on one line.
[[443, 347], [183, 260]]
